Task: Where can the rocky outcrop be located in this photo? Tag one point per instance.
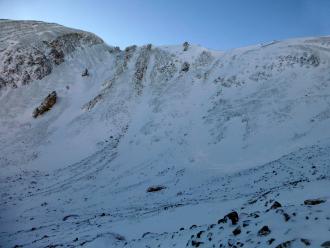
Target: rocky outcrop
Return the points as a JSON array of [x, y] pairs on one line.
[[32, 49], [46, 105], [141, 66]]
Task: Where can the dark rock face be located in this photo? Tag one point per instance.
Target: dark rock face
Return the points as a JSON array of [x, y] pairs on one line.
[[141, 66], [264, 231], [311, 202], [46, 104], [155, 188]]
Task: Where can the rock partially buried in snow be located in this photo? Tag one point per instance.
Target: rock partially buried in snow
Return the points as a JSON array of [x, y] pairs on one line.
[[285, 244], [185, 46], [155, 188], [311, 202], [233, 216], [46, 104], [237, 231], [326, 244], [276, 205], [85, 73], [185, 67], [264, 231]]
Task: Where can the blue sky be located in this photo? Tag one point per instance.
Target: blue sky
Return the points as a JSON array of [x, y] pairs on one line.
[[221, 24]]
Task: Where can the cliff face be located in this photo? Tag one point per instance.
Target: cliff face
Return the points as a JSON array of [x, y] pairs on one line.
[[157, 144]]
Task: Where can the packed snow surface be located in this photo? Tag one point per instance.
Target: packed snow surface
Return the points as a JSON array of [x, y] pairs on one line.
[[157, 144]]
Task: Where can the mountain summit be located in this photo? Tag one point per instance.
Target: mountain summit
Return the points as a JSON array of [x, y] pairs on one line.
[[162, 146]]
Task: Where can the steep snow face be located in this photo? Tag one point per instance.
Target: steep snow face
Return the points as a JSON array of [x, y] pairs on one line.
[[218, 130]]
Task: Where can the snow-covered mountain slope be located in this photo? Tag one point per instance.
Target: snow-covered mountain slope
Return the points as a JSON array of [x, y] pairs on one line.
[[216, 131]]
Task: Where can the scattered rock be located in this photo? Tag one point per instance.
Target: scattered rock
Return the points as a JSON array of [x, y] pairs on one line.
[[237, 231], [245, 223], [145, 234], [270, 241], [185, 67], [46, 104], [223, 220], [306, 242], [285, 244], [233, 216], [264, 231], [193, 226], [196, 243], [69, 216], [326, 244], [276, 205], [85, 73], [155, 188], [199, 234], [311, 202], [185, 46], [255, 215], [286, 217]]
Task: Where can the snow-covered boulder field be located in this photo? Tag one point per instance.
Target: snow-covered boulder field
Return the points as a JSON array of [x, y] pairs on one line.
[[162, 146]]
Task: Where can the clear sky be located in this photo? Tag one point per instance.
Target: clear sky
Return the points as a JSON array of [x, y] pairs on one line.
[[217, 24]]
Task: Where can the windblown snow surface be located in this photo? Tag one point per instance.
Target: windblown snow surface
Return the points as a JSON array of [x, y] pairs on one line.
[[217, 131]]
